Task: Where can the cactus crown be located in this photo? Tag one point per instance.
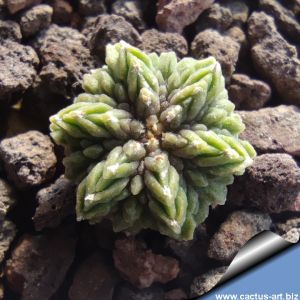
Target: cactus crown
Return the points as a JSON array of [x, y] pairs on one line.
[[153, 141]]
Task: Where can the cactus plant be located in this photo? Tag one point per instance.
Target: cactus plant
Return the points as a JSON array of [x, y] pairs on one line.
[[153, 142]]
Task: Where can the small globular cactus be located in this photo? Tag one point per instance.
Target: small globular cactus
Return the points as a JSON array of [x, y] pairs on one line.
[[153, 142]]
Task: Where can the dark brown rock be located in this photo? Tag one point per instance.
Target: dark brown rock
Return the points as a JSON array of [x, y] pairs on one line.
[[140, 266], [17, 5], [28, 159], [174, 15], [205, 282], [273, 129], [55, 203], [159, 42], [38, 264], [223, 48], [7, 235], [274, 58], [1, 291], [238, 35], [239, 10], [284, 18], [111, 29], [91, 7], [271, 184], [65, 59], [216, 17], [62, 12], [7, 198], [132, 12], [176, 294], [127, 292], [35, 19], [247, 93], [14, 81], [235, 232], [10, 30], [93, 280]]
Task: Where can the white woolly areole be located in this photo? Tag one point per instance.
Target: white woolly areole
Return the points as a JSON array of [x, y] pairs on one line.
[[112, 118], [113, 168], [89, 197], [167, 191]]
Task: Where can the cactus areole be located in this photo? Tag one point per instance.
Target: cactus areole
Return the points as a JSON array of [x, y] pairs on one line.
[[153, 142]]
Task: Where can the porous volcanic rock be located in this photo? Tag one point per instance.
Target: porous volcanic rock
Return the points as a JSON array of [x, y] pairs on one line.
[[274, 58], [235, 232], [7, 198], [289, 229], [239, 10], [35, 19], [64, 57], [62, 12], [176, 294], [10, 30], [205, 282], [140, 266], [29, 159], [15, 6], [159, 42], [284, 18], [107, 29], [132, 11], [273, 129], [93, 280], [38, 264], [91, 7], [174, 15], [223, 48], [247, 93], [14, 81], [7, 235], [55, 203]]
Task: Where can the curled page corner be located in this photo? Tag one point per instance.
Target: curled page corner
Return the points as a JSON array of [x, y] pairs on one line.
[[261, 247]]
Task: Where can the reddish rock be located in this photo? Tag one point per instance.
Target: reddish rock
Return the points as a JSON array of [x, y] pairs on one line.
[[38, 264], [247, 93], [273, 56], [62, 12], [17, 5], [159, 42], [140, 266], [55, 203], [223, 48], [174, 15], [235, 232], [273, 129], [93, 280]]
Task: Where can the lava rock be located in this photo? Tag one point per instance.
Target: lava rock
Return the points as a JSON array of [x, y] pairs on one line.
[[10, 30], [15, 6], [7, 235], [238, 35], [127, 292], [55, 203], [91, 7], [38, 264], [159, 42], [65, 59], [216, 17], [140, 266], [205, 282], [28, 159], [247, 93], [274, 58], [273, 129], [271, 184], [62, 12], [176, 294], [284, 18], [235, 232], [93, 280], [290, 229], [14, 81], [174, 15], [36, 19], [110, 29], [132, 12], [7, 198], [239, 11], [223, 48]]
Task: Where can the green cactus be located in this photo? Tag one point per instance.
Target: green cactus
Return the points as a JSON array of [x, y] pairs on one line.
[[153, 142]]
